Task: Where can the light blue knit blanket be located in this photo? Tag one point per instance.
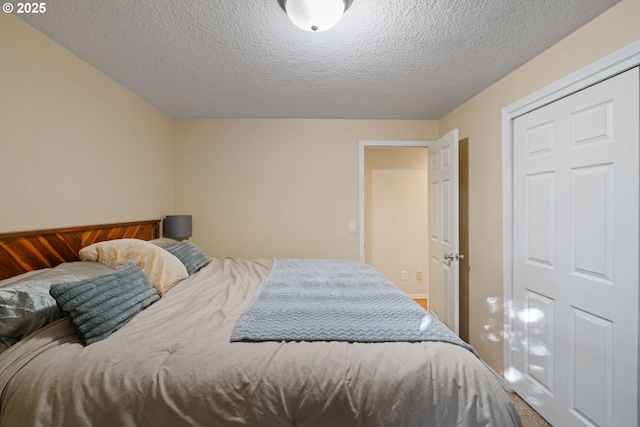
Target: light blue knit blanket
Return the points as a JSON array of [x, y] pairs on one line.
[[336, 300]]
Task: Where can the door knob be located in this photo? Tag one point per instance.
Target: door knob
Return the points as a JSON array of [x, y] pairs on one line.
[[456, 257]]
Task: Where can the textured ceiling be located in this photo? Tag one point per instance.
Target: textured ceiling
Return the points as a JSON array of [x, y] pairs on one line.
[[411, 59]]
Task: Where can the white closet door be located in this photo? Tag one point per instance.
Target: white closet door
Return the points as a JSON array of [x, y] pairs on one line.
[[575, 338]]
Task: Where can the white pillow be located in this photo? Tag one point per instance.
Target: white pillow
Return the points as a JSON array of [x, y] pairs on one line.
[[162, 268]]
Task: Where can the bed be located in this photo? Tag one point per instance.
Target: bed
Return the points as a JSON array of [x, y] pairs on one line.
[[173, 362]]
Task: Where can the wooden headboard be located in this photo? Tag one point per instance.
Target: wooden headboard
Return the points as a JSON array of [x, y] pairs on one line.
[[31, 250]]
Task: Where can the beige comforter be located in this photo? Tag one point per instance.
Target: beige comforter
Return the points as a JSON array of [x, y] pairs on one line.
[[173, 365]]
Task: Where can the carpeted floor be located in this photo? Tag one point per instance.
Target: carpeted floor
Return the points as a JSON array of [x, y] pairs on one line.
[[530, 418]]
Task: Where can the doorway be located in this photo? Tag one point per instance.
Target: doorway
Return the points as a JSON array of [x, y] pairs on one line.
[[443, 239], [396, 222]]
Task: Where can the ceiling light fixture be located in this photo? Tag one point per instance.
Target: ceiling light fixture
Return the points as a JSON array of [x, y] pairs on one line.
[[315, 15]]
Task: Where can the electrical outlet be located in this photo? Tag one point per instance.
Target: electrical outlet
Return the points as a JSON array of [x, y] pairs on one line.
[[405, 275]]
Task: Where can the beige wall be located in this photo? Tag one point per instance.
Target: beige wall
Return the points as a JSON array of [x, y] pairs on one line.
[[75, 147], [268, 188], [396, 181], [479, 120]]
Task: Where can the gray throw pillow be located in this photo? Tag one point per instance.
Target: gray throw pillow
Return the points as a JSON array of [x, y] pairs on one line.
[[99, 306], [190, 255]]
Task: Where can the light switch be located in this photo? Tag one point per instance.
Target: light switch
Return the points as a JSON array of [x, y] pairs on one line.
[[352, 225]]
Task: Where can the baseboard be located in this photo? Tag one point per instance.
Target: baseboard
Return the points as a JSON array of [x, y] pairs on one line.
[[419, 296], [500, 378]]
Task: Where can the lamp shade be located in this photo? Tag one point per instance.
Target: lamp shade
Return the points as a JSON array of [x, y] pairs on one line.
[[177, 226], [315, 15]]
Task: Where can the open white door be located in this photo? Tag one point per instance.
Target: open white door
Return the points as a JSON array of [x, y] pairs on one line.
[[444, 268]]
